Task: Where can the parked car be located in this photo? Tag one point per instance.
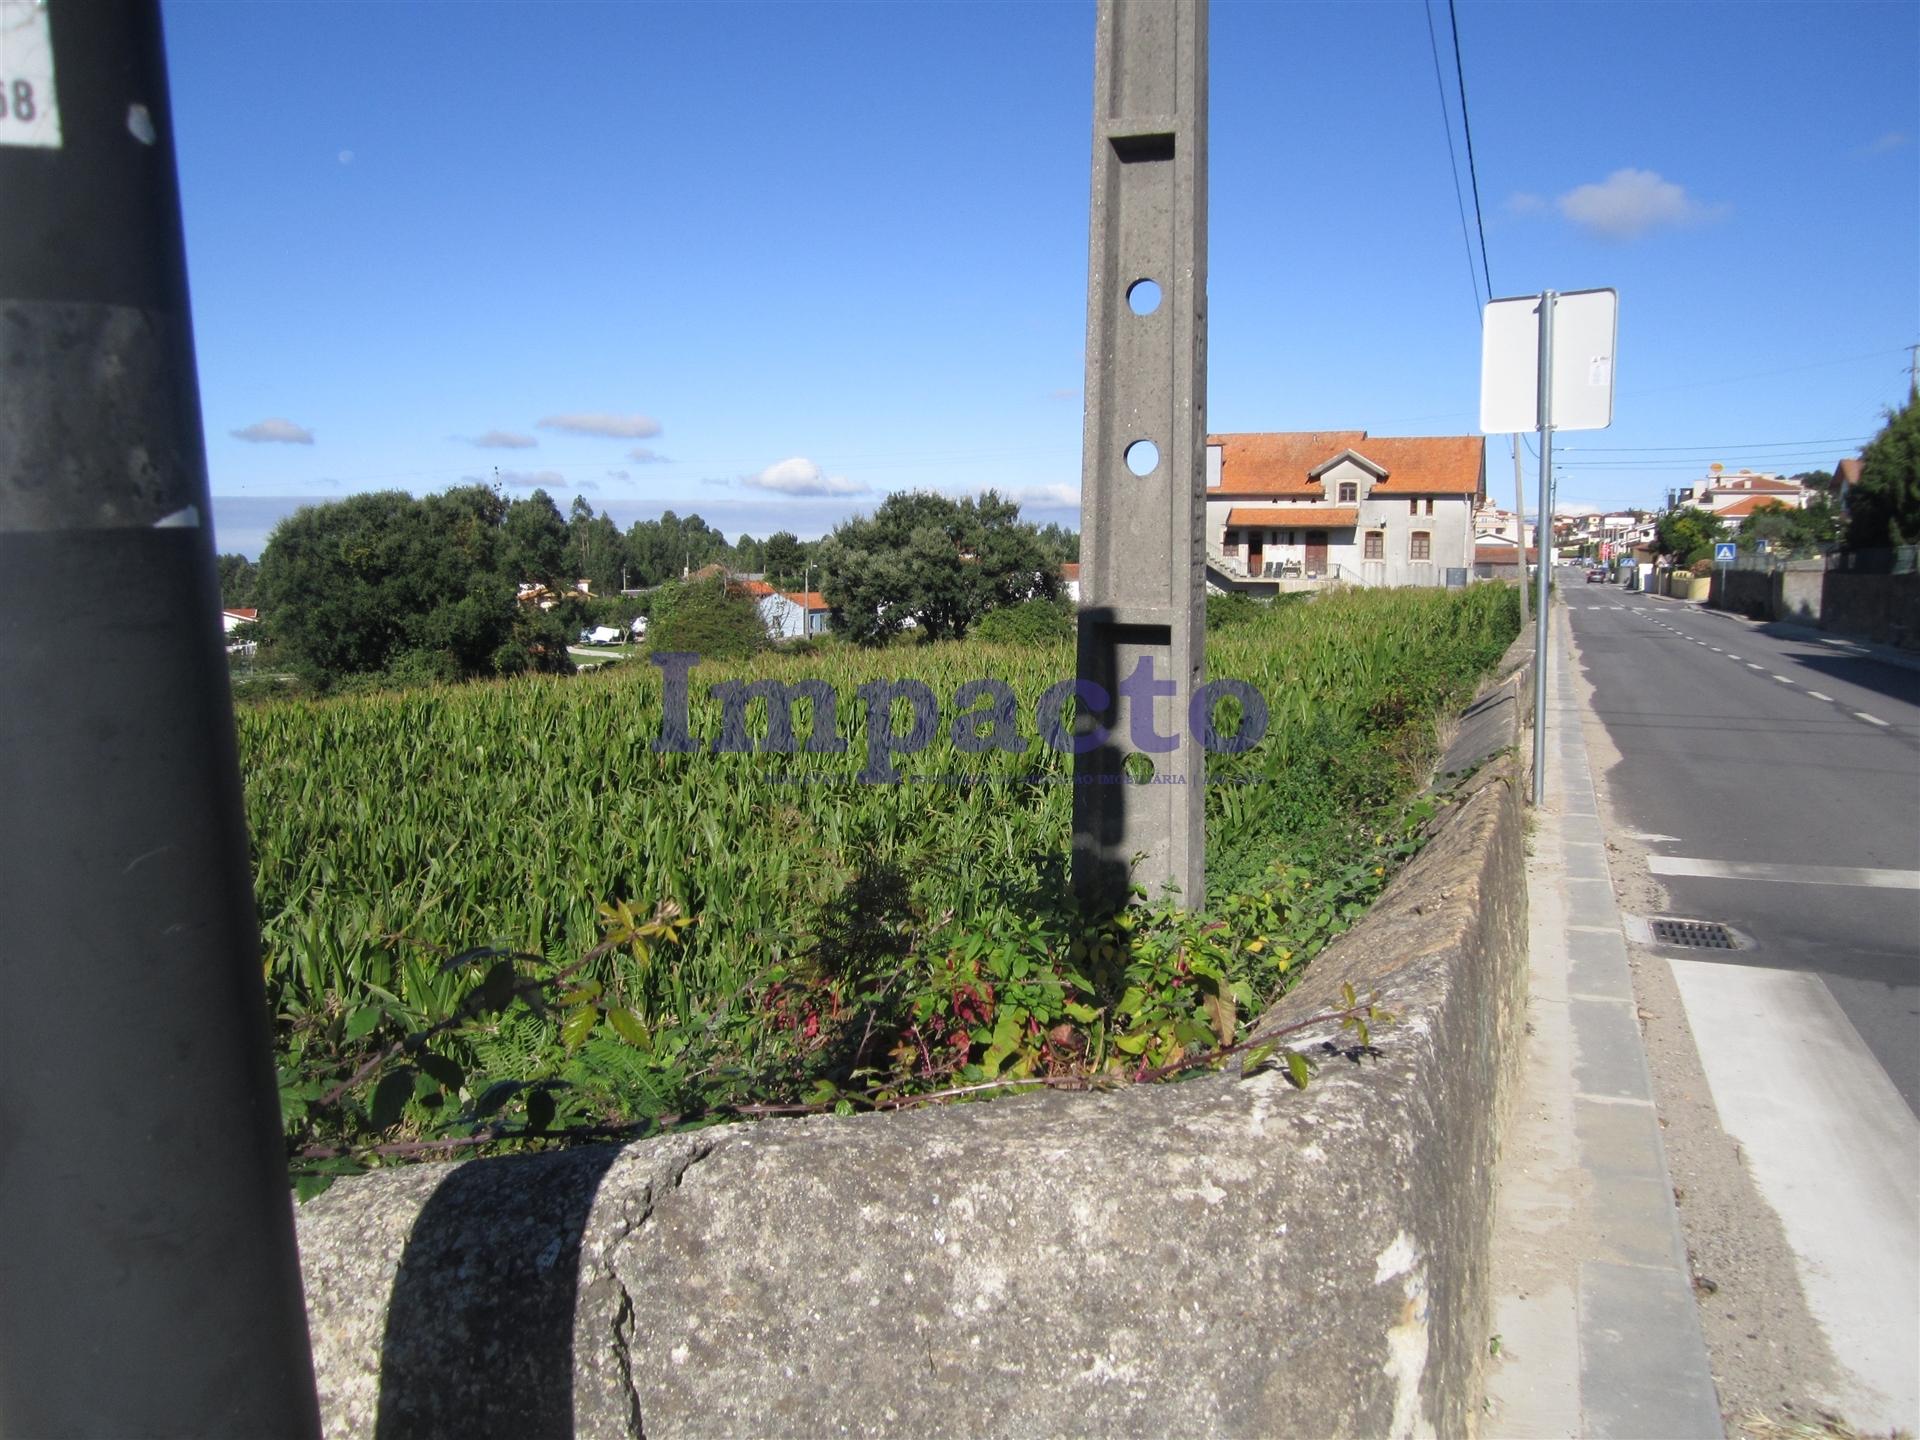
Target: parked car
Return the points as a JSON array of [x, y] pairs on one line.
[[1596, 576], [600, 635]]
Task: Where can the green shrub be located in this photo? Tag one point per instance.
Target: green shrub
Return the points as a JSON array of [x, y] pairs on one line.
[[1231, 609], [1031, 622], [711, 619]]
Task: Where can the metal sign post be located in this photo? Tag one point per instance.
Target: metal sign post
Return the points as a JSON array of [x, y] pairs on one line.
[[149, 1283], [1139, 776], [1546, 364], [1540, 648]]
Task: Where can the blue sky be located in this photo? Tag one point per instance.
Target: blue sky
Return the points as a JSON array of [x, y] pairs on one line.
[[768, 262]]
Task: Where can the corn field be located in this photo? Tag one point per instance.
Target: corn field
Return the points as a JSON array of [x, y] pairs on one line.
[[390, 830]]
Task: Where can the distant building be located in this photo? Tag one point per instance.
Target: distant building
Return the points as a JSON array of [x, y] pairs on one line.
[[232, 620], [1723, 492], [1070, 580], [791, 616]]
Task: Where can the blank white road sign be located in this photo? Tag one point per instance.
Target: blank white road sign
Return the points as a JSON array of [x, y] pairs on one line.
[[1585, 323]]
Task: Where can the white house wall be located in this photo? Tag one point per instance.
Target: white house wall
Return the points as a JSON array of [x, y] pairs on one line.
[[1450, 526]]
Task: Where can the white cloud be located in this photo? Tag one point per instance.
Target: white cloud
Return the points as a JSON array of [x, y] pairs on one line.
[[612, 427], [274, 432], [1044, 496], [619, 475], [503, 440], [1629, 203], [641, 455], [800, 476], [1523, 202], [531, 480], [1892, 140]]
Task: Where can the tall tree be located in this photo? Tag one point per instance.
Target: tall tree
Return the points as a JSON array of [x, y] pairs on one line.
[[1883, 510], [1688, 534], [535, 542], [1791, 532], [385, 582], [785, 558], [598, 551], [239, 579], [934, 562]]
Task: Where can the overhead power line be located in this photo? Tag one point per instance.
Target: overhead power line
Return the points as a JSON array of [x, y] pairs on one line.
[[1726, 449], [1453, 164], [1466, 126]]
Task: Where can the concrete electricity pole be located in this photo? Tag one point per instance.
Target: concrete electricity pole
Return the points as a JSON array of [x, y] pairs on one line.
[[148, 1278], [1143, 478]]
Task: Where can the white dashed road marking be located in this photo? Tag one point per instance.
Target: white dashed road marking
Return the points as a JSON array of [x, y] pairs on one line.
[[1818, 696], [1870, 719], [1784, 874]]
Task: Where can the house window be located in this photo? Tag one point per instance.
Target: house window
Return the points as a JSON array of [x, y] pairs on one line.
[[1429, 504], [1376, 545], [1231, 545], [1413, 505], [1273, 537], [1421, 546], [1349, 491], [1289, 537]]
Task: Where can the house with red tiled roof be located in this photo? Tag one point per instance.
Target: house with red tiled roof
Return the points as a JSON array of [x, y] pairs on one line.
[[791, 615], [1342, 505], [231, 620], [1070, 579], [1723, 492]]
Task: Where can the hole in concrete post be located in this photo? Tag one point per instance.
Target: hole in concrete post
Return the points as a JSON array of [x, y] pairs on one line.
[[1143, 297], [1138, 768], [1142, 457]]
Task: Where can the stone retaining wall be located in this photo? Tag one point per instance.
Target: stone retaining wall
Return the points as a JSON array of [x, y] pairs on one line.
[[1224, 1256]]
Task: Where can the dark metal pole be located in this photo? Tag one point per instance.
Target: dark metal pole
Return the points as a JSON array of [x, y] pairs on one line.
[[149, 1282]]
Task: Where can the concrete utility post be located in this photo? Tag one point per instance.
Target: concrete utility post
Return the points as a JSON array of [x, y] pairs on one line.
[[148, 1279], [1143, 479]]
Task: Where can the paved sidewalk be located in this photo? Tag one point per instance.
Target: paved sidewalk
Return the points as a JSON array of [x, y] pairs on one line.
[[1596, 1330]]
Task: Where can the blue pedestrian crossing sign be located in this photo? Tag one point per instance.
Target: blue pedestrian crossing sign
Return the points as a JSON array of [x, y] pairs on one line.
[[1723, 552]]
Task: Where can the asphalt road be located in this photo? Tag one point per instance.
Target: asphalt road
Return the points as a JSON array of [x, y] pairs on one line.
[[1774, 782]]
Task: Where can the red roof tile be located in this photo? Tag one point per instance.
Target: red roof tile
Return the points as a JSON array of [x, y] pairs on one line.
[[1741, 508], [1280, 464]]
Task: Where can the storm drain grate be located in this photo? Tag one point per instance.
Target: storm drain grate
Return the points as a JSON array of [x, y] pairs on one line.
[[1694, 935]]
